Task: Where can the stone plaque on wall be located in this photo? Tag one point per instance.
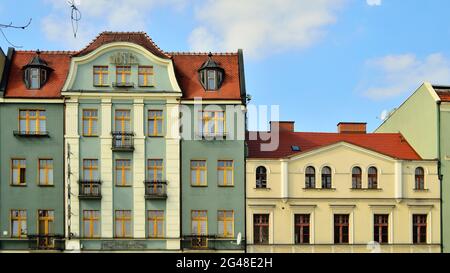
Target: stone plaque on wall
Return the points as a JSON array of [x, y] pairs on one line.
[[123, 58]]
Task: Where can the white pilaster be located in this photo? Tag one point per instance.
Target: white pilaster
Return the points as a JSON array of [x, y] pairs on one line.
[[284, 179], [139, 169], [398, 180], [106, 170]]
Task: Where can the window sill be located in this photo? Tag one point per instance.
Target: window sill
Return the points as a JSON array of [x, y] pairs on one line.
[[319, 189], [92, 136], [225, 186], [146, 86], [18, 186], [424, 190], [199, 186], [124, 186], [46, 186], [262, 189], [353, 189], [102, 85], [159, 136]]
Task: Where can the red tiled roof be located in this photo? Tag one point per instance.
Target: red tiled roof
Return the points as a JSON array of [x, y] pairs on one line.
[[140, 38], [59, 61], [186, 70], [393, 145]]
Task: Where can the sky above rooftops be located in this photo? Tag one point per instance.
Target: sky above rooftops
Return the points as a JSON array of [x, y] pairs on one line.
[[322, 61]]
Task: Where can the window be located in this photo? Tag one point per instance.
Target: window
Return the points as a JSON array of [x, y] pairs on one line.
[[123, 75], [356, 178], [373, 178], [32, 121], [199, 219], [225, 219], [420, 229], [225, 170], [261, 229], [123, 224], [91, 224], [90, 170], [100, 75], [34, 77], [212, 123], [211, 74], [46, 219], [123, 172], [146, 76], [155, 122], [261, 177], [19, 167], [198, 173], [420, 179], [122, 121], [45, 172], [326, 178], [302, 228], [155, 170], [310, 178], [341, 229], [381, 228], [90, 117], [18, 223], [155, 221]]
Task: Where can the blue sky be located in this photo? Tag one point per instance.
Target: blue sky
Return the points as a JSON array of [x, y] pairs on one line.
[[322, 61]]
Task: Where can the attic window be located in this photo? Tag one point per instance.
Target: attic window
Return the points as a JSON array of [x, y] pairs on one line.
[[36, 72], [296, 148], [211, 74]]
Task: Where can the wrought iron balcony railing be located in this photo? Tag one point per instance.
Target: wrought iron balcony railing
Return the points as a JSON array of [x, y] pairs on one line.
[[155, 189], [90, 189], [46, 242], [123, 141], [31, 133], [123, 84]]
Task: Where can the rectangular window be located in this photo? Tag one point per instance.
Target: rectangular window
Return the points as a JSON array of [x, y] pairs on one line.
[[90, 118], [155, 123], [45, 172], [199, 219], [46, 219], [123, 224], [341, 228], [91, 224], [420, 229], [18, 223], [155, 170], [100, 75], [122, 121], [123, 74], [381, 228], [225, 219], [19, 167], [212, 80], [34, 78], [146, 76], [198, 173], [155, 222], [212, 123], [260, 229], [32, 121], [123, 172], [225, 170], [302, 229], [90, 170]]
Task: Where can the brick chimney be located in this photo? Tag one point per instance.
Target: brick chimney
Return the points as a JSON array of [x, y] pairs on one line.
[[282, 125], [352, 128]]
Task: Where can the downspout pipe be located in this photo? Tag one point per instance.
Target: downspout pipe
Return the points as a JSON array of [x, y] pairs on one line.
[[440, 176]]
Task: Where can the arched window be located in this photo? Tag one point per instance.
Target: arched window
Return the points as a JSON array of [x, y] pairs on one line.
[[310, 178], [420, 178], [261, 177], [373, 178], [356, 178], [326, 178]]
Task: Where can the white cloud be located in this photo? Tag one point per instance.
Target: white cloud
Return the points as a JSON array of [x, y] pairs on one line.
[[100, 15], [394, 75], [374, 2], [262, 26]]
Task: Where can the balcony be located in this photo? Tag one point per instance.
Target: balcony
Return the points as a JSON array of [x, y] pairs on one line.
[[123, 84], [123, 141], [211, 242], [46, 242], [31, 133], [212, 136], [155, 190], [90, 190]]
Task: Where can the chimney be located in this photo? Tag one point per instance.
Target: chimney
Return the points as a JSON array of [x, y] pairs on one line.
[[282, 125], [352, 128]]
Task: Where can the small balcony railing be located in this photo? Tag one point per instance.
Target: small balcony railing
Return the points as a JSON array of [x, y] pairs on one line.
[[198, 241], [21, 133], [155, 189], [90, 189], [123, 141], [46, 242], [123, 84]]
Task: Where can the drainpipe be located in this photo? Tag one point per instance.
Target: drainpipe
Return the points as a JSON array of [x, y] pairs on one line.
[[440, 176]]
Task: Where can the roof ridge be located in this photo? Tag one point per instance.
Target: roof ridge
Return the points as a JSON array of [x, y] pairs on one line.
[[46, 51], [202, 53]]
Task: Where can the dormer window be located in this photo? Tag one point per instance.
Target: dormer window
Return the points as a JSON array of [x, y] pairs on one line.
[[211, 74], [36, 72]]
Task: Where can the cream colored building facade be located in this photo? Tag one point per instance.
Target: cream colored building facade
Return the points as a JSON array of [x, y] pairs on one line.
[[286, 195]]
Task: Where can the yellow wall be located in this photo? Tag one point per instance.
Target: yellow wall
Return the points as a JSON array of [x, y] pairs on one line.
[[396, 196]]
